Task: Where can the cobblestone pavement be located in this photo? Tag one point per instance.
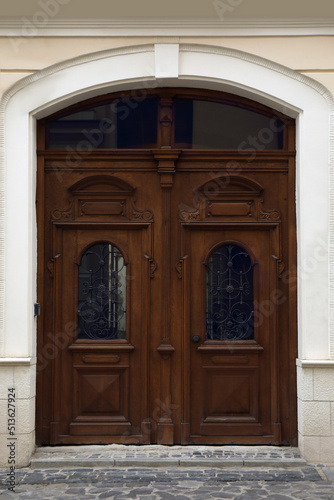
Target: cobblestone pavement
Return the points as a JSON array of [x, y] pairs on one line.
[[171, 483], [243, 473]]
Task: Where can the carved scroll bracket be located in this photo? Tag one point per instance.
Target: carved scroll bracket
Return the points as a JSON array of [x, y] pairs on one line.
[[179, 267], [187, 214], [271, 215], [51, 265], [281, 267], [63, 214], [142, 215], [153, 265]]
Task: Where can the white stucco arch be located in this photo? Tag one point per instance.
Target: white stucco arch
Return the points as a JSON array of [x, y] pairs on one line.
[[166, 65]]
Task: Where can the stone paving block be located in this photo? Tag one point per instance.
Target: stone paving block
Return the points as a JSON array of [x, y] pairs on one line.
[[63, 462], [166, 462], [209, 462], [329, 472], [279, 462]]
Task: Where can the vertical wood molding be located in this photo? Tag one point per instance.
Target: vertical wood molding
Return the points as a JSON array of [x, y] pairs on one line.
[[166, 168], [166, 121]]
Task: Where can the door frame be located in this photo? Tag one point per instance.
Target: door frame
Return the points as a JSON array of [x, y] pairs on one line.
[[171, 165]]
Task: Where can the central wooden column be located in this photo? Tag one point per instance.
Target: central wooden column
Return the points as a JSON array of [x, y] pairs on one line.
[[166, 168]]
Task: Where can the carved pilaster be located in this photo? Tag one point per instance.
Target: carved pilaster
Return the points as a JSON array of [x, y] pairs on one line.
[[165, 425], [166, 122], [166, 168]]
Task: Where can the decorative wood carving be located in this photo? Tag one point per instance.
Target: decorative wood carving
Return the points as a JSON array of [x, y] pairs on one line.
[[179, 267], [63, 214], [102, 207], [51, 265], [153, 265], [166, 168], [281, 267], [165, 348], [166, 120], [165, 425], [166, 165], [102, 184], [272, 215], [143, 215], [228, 196], [96, 358], [188, 214], [228, 209], [102, 196], [230, 186]]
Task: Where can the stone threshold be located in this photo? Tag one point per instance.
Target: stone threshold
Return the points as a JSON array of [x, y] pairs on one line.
[[166, 456], [39, 463]]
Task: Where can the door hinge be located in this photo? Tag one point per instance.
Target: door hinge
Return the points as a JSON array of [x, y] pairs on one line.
[[37, 309]]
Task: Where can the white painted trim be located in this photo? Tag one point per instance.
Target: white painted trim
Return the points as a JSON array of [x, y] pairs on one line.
[[15, 361], [166, 60], [315, 363], [16, 27]]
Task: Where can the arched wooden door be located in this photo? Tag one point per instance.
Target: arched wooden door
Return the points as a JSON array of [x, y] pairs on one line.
[[167, 257]]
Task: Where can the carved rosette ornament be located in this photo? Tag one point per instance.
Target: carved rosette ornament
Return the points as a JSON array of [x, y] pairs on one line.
[[141, 215], [271, 215]]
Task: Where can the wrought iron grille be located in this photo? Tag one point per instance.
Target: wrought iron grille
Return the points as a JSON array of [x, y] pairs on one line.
[[229, 294], [102, 293]]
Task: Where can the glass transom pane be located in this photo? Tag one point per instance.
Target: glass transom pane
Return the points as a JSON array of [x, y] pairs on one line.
[[102, 293], [201, 124], [119, 124], [229, 295]]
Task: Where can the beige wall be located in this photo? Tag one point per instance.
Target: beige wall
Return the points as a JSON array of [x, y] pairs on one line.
[[311, 55], [174, 8]]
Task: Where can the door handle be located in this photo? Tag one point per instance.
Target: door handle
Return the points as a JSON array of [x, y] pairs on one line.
[[195, 338]]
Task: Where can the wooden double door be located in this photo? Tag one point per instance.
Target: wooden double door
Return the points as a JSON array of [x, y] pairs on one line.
[[166, 314]]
